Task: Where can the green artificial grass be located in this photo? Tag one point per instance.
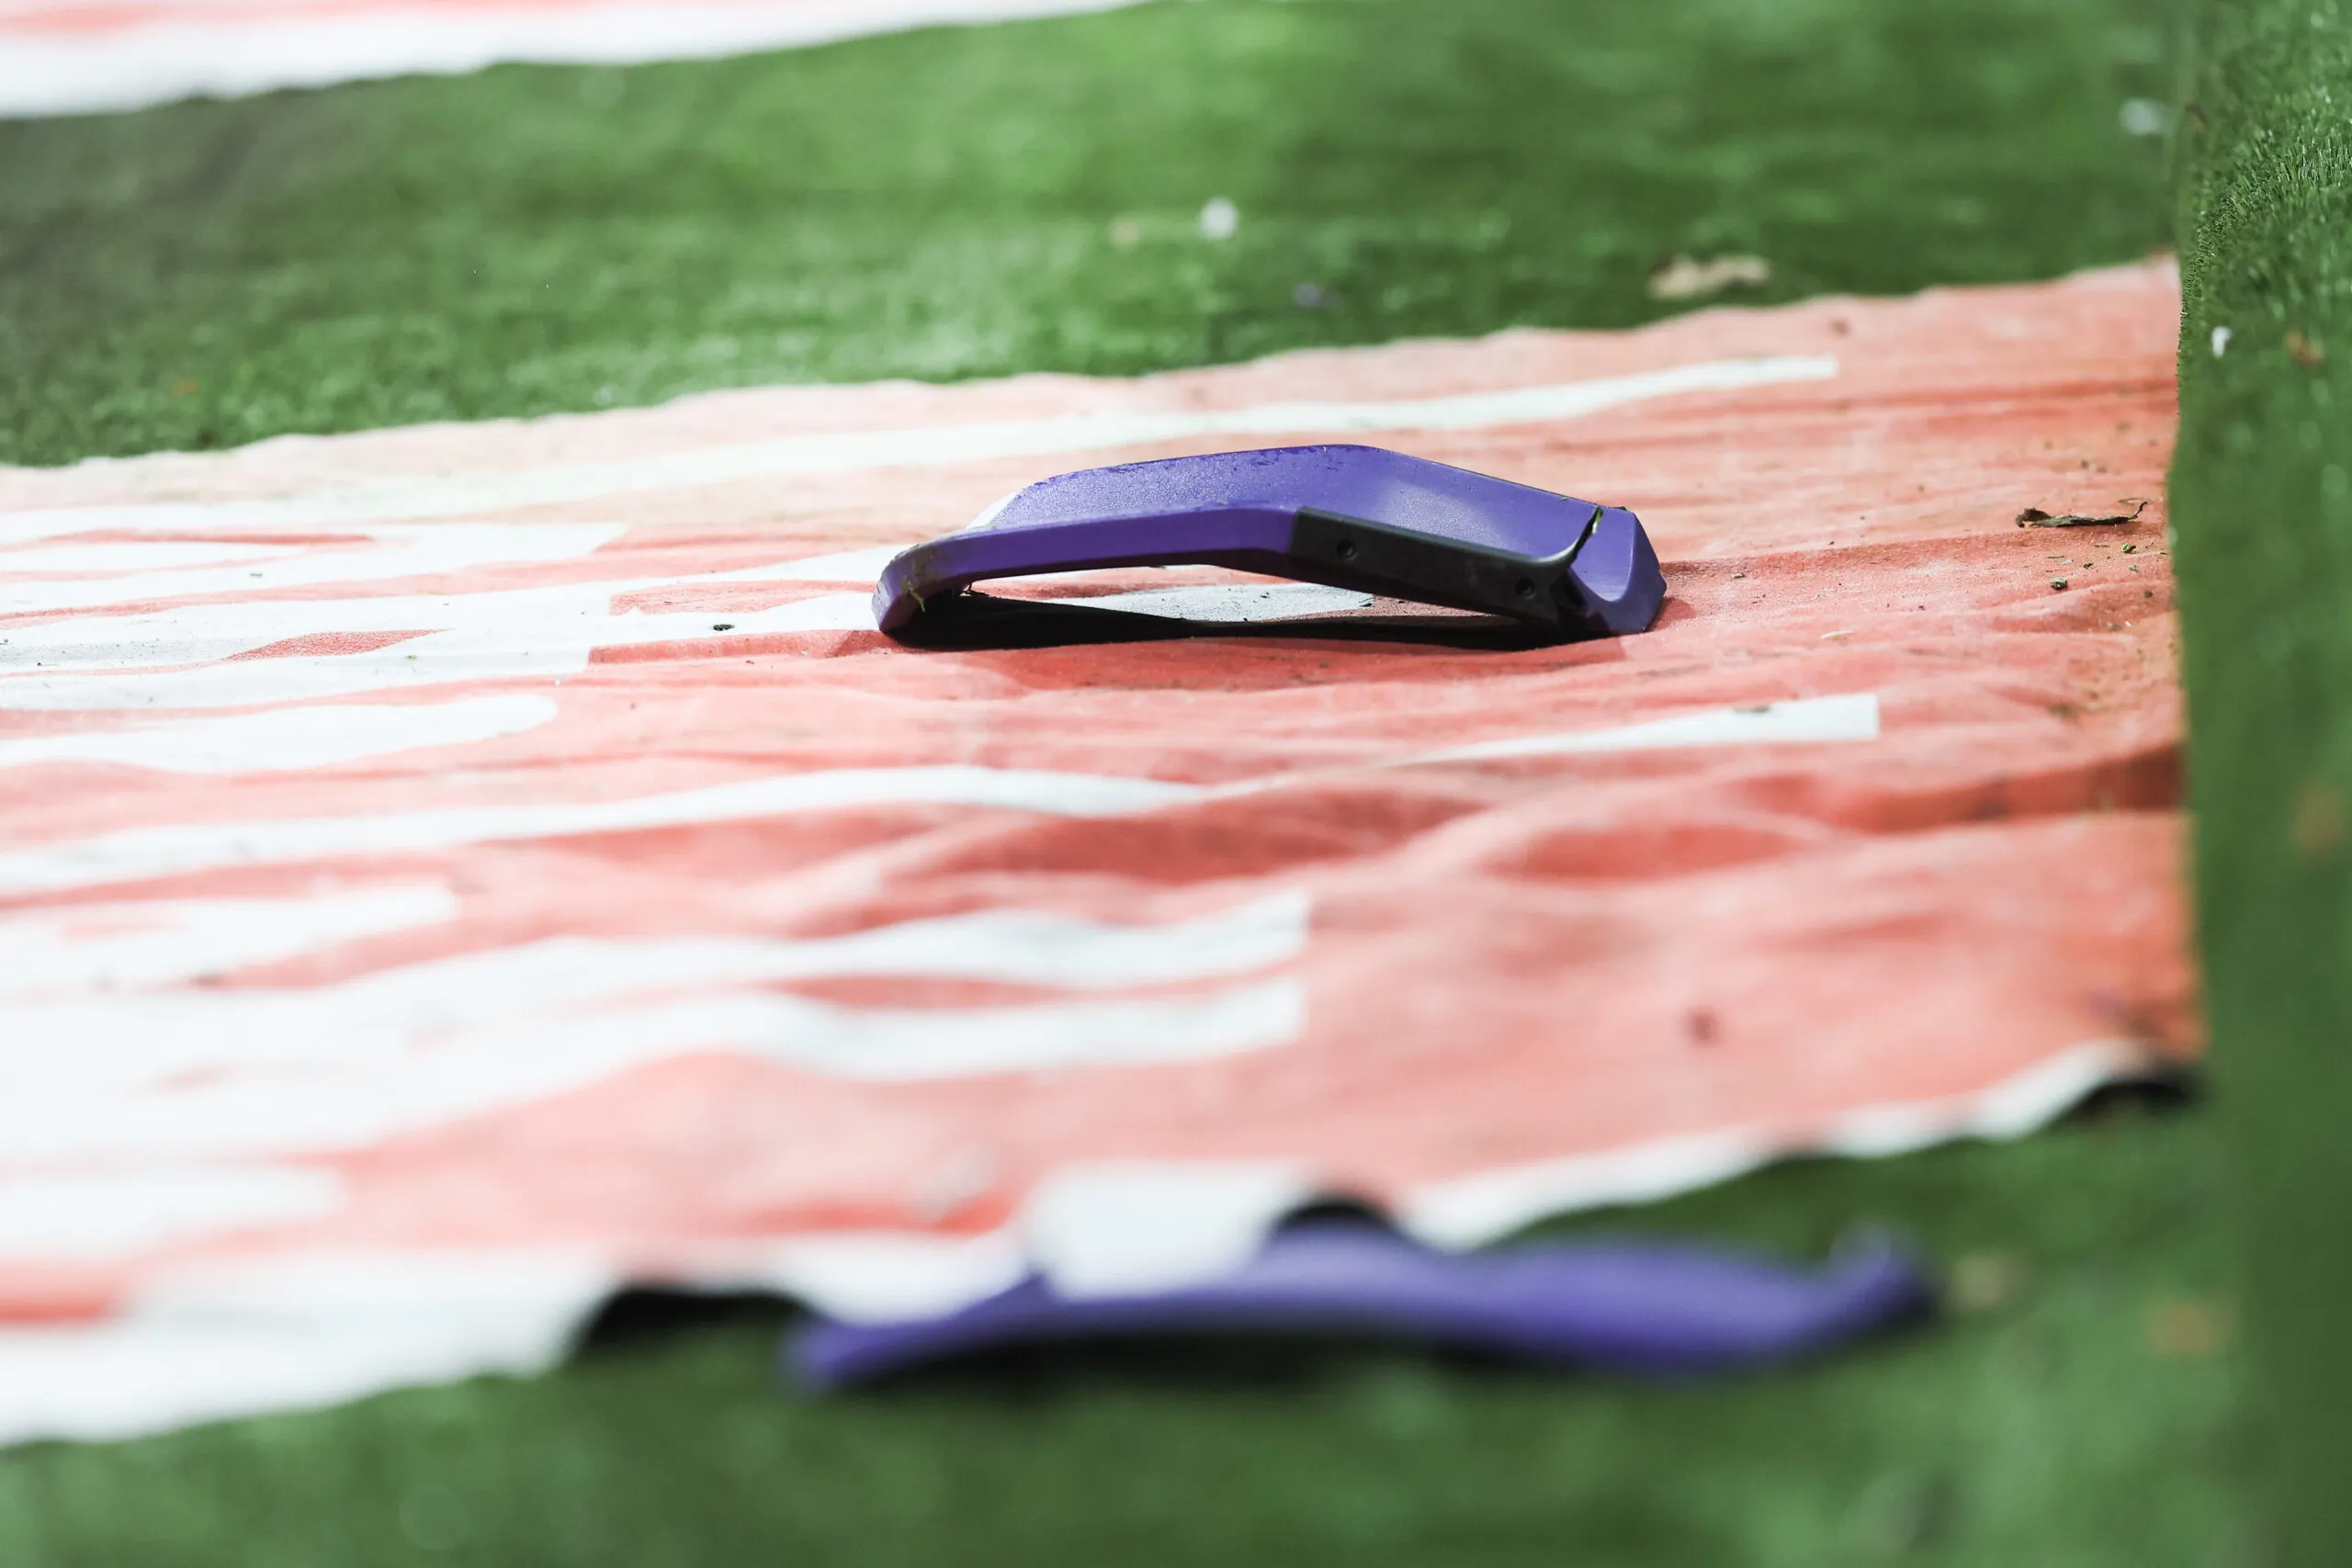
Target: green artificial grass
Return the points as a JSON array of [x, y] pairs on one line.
[[953, 204], [2077, 1420], [2263, 512], [950, 203]]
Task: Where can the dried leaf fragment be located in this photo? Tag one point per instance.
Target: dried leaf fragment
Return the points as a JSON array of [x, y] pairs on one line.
[[1686, 278], [2034, 518]]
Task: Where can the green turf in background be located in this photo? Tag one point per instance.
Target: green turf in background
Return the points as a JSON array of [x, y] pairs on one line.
[[2045, 1431], [942, 204], [2264, 510]]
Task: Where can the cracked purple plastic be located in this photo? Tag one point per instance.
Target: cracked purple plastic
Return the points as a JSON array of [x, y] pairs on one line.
[[1356, 518], [1642, 1308]]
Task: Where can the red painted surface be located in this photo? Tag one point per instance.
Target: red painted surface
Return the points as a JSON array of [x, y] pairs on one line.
[[1508, 963]]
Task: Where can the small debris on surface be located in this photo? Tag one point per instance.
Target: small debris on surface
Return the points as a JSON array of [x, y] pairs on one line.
[[2034, 518], [724, 626], [2058, 585], [1686, 278], [1220, 220], [2317, 828], [2303, 351], [2188, 1327], [2143, 117], [2221, 336], [1983, 1281]]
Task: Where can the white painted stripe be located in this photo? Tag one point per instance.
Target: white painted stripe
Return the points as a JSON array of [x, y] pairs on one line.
[[384, 554], [943, 446], [1473, 1211], [185, 658], [102, 68], [133, 1038], [133, 947], [118, 556], [288, 739], [1854, 717], [182, 848], [93, 1216], [381, 1089]]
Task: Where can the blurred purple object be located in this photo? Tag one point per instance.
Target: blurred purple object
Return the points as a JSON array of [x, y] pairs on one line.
[[1651, 1309]]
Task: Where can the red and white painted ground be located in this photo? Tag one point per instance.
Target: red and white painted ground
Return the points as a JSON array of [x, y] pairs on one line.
[[445, 872], [87, 56]]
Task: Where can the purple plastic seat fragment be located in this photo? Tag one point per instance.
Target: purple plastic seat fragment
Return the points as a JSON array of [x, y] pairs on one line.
[[1353, 517], [1644, 1308]]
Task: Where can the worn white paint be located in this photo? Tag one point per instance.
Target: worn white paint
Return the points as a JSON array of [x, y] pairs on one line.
[[160, 1072], [288, 739], [186, 657], [939, 445], [182, 848], [293, 1092], [1125, 1227], [139, 945], [90, 1216], [1471, 1211], [137, 1035], [125, 571], [1851, 717], [241, 1335]]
